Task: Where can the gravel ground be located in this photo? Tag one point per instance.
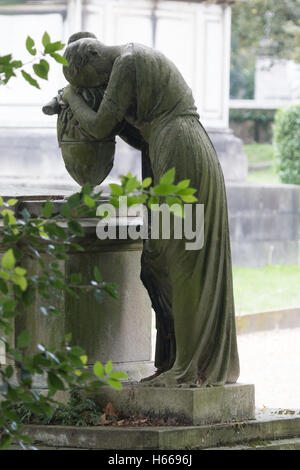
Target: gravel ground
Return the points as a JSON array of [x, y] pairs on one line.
[[271, 361]]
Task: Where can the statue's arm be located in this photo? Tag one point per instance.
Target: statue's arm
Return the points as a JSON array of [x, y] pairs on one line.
[[117, 99], [132, 136]]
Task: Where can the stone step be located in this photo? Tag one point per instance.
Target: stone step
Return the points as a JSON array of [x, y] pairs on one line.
[[280, 444], [268, 428]]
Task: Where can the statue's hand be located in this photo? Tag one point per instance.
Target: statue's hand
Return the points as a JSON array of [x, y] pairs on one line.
[[68, 91]]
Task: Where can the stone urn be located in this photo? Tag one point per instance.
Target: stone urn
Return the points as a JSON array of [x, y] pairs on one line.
[[87, 159]]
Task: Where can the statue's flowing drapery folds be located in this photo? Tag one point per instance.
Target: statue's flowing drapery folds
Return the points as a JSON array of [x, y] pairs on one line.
[[152, 107]]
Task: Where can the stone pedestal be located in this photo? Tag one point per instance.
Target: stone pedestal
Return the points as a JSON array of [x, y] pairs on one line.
[[194, 406], [117, 330]]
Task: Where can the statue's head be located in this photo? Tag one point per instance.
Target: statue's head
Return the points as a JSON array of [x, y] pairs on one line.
[[89, 61]]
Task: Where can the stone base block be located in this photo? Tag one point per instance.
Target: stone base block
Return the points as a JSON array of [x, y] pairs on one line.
[[266, 427], [183, 405]]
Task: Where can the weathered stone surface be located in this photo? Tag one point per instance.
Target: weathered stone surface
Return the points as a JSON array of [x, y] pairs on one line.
[[185, 405], [264, 224], [117, 330], [169, 437], [280, 444], [230, 151]]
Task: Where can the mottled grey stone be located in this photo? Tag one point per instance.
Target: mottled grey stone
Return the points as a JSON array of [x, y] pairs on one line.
[[197, 406], [264, 223], [172, 437]]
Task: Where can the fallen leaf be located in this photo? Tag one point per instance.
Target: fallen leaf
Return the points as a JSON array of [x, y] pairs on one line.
[[109, 410]]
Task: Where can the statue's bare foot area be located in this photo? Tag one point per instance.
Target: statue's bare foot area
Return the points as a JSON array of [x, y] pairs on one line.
[[153, 376], [165, 379]]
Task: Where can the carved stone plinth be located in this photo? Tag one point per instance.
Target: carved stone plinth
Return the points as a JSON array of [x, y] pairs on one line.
[[194, 406]]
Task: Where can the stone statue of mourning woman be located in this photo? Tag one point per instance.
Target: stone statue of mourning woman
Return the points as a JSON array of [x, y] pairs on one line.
[[137, 93]]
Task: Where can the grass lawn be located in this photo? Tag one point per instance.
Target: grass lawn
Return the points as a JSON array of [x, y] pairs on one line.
[[266, 176], [272, 287], [258, 153]]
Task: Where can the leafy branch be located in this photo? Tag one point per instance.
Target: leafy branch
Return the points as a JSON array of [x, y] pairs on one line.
[[9, 67]]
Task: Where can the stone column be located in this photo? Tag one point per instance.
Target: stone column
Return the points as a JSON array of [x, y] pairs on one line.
[[117, 330]]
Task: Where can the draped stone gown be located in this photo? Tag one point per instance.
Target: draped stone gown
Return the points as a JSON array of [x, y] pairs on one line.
[[191, 291]]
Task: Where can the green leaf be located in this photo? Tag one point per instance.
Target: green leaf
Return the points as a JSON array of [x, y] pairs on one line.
[[142, 198], [5, 59], [186, 192], [29, 79], [20, 271], [168, 178], [4, 275], [46, 39], [23, 339], [1, 201], [183, 184], [164, 189], [115, 384], [189, 198], [146, 182], [99, 369], [59, 58], [47, 209], [75, 228], [86, 189], [3, 287], [21, 281], [9, 305], [118, 375], [132, 184], [9, 372], [116, 189], [171, 200], [41, 69], [153, 200], [11, 202], [53, 47], [8, 260], [16, 64], [30, 46], [54, 382], [66, 210], [84, 359], [5, 441], [89, 201], [111, 290], [108, 367], [10, 216], [97, 274]]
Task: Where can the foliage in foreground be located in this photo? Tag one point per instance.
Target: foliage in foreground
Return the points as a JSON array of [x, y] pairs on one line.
[[47, 240], [287, 143], [78, 411]]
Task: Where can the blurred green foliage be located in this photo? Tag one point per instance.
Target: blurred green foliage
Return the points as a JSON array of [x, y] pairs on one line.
[[287, 143], [261, 28]]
